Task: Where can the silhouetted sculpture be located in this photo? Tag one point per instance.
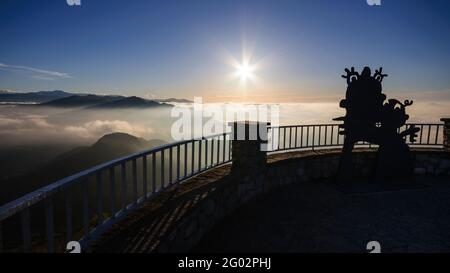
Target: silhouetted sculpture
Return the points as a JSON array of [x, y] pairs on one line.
[[369, 118]]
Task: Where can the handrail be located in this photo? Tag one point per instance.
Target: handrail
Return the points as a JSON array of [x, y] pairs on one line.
[[177, 161], [32, 198], [316, 136], [332, 124], [219, 154]]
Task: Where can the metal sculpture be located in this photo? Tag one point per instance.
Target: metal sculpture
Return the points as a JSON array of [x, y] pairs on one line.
[[370, 118]]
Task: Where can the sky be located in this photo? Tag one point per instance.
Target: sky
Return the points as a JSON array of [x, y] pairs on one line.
[[297, 49]]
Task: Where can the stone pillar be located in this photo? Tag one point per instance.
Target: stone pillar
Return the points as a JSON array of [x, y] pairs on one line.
[[249, 139], [446, 132]]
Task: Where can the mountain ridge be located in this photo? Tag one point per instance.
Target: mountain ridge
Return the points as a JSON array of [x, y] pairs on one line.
[[46, 97], [130, 102], [80, 100], [32, 97]]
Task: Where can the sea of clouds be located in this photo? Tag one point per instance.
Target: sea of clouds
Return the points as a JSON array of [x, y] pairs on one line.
[[38, 125]]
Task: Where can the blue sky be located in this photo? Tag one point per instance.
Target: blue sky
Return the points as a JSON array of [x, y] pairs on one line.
[[182, 48]]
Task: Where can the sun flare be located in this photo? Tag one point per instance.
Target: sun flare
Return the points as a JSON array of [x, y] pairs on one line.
[[245, 71]]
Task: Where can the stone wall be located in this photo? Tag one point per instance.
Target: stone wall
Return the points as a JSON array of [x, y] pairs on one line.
[[233, 190], [432, 163]]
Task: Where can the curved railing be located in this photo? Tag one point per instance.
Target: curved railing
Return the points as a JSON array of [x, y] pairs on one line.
[[82, 206], [106, 193], [316, 136]]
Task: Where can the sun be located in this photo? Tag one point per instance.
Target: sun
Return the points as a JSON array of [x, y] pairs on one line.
[[245, 71]]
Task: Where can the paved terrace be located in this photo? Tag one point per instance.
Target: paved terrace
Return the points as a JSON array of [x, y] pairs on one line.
[[317, 216], [320, 217]]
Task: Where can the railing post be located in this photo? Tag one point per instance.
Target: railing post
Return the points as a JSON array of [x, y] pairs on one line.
[[248, 140], [446, 133], [26, 232], [249, 148]]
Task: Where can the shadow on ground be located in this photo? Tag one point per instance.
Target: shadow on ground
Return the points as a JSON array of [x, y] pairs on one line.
[[321, 217]]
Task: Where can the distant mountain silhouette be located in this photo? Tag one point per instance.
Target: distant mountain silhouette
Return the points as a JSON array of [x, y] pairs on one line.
[[108, 147], [173, 100], [103, 102], [29, 97], [59, 98], [131, 102], [81, 101]]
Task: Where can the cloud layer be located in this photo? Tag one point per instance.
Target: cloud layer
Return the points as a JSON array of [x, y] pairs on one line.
[[26, 123], [97, 128], [36, 129]]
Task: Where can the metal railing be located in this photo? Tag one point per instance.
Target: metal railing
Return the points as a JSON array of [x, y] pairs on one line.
[[82, 206], [104, 194], [317, 136]]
